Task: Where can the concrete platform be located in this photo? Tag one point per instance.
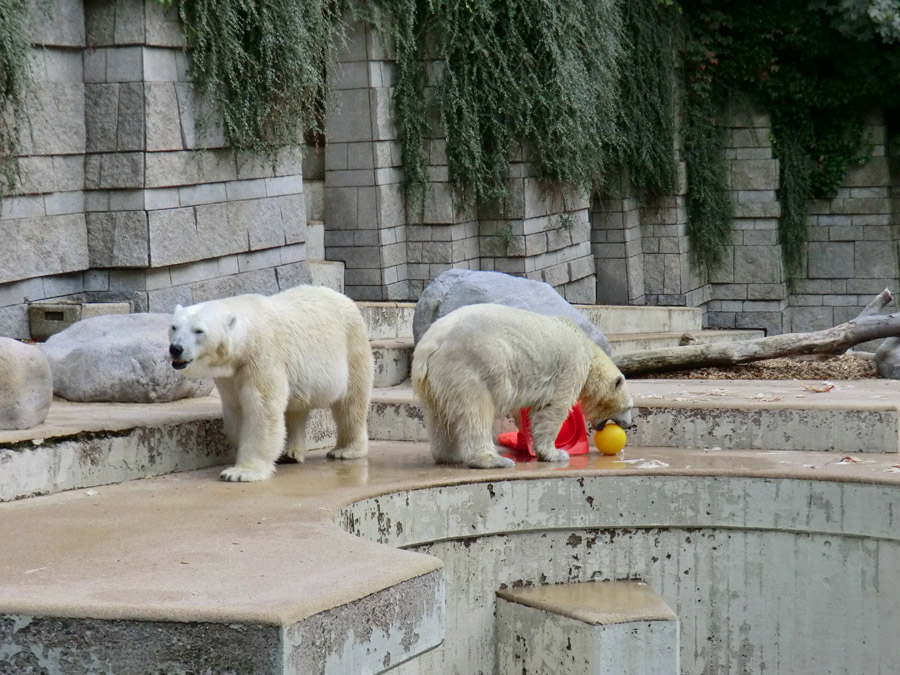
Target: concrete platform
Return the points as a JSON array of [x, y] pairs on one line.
[[191, 573], [84, 445]]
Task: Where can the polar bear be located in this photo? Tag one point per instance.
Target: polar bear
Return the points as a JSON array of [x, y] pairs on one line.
[[481, 361], [274, 359]]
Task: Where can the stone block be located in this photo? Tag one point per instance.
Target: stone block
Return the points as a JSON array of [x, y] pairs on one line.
[[165, 299], [43, 246], [829, 260], [56, 119], [349, 118], [293, 218], [293, 274], [101, 120], [875, 172], [126, 200], [163, 129], [118, 239], [811, 318], [873, 259], [121, 170], [754, 174], [201, 119], [130, 132], [189, 273], [204, 193], [265, 227], [59, 23], [159, 65], [124, 64], [770, 322], [26, 385], [173, 237], [167, 169], [263, 282], [163, 28], [68, 172], [129, 22], [215, 165], [94, 66]]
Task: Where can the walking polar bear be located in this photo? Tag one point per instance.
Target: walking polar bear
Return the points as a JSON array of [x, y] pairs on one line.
[[481, 361], [274, 359]]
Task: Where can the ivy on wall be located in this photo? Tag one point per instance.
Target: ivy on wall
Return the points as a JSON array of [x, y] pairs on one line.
[[818, 68], [265, 63], [14, 48]]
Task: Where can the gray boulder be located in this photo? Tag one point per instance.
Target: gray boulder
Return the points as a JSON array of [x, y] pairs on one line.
[[26, 385], [887, 359], [457, 288], [121, 358]]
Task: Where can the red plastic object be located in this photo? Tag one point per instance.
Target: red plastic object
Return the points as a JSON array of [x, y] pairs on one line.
[[572, 435]]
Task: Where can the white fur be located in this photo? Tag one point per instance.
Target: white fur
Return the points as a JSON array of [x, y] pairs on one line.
[[485, 360], [274, 359]]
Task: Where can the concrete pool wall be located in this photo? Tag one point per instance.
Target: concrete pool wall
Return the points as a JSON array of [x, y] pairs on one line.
[[779, 575]]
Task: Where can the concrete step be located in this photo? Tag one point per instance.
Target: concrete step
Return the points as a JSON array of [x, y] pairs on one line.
[[90, 444], [394, 319], [393, 356], [609, 628], [622, 343], [614, 319]]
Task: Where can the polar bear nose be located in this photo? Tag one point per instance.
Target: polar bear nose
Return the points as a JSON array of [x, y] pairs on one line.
[[175, 350]]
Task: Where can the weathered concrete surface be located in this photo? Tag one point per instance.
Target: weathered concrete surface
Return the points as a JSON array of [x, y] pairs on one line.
[[26, 385], [592, 628], [751, 550]]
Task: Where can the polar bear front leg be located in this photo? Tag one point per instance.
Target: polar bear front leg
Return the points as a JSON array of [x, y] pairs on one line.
[[262, 435], [545, 425], [231, 410]]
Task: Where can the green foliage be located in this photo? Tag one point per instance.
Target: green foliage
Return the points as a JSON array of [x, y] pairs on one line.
[[501, 74], [646, 108], [815, 77], [13, 80], [264, 62]]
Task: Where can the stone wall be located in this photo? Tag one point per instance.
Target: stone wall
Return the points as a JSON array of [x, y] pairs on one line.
[[129, 191]]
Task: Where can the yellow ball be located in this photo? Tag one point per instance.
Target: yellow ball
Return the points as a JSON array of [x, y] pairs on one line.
[[610, 439]]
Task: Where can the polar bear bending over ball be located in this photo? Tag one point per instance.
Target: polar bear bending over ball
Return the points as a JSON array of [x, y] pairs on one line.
[[482, 361], [274, 359]]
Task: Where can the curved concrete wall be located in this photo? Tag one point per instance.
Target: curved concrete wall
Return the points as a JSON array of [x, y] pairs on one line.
[[766, 575]]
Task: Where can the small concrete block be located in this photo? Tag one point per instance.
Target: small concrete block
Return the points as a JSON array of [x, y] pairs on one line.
[[122, 170], [129, 22], [168, 169], [163, 28], [220, 234], [26, 385], [873, 259], [293, 218], [591, 628], [201, 120], [266, 228]]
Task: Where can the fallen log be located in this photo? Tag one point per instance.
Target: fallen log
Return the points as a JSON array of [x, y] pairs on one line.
[[869, 325]]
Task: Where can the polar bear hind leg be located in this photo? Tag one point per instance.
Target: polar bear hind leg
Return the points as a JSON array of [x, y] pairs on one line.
[[350, 417], [295, 421], [473, 419]]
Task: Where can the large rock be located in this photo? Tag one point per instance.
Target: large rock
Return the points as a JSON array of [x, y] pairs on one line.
[[887, 359], [457, 288], [121, 358], [26, 386]]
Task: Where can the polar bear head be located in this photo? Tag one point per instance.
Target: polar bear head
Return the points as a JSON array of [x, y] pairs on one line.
[[605, 395], [202, 340]]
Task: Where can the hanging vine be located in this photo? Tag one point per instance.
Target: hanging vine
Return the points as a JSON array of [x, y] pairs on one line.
[[265, 62]]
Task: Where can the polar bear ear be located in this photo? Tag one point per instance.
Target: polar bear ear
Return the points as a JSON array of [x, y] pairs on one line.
[[231, 323], [178, 308]]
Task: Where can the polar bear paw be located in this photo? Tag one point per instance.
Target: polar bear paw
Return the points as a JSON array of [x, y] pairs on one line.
[[555, 455], [492, 461], [241, 474], [352, 452]]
